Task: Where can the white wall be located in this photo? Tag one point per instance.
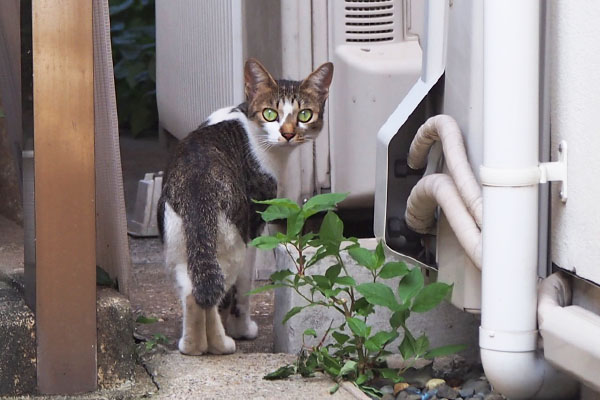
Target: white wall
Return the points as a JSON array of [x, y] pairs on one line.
[[574, 109]]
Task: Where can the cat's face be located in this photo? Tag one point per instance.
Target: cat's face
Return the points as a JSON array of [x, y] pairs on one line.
[[288, 112]]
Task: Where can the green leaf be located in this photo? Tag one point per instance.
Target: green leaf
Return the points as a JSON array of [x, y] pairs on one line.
[[430, 296], [390, 373], [349, 366], [358, 327], [331, 232], [2, 115], [280, 275], [284, 202], [379, 294], [379, 254], [393, 270], [334, 388], [277, 212], [310, 332], [363, 307], [265, 288], [383, 337], [399, 318], [345, 281], [291, 313], [281, 373], [322, 281], [333, 272], [142, 319], [295, 222], [319, 255], [364, 257], [410, 285], [421, 345], [340, 337], [266, 242], [371, 391], [407, 347], [362, 378], [331, 292], [322, 202], [445, 350]]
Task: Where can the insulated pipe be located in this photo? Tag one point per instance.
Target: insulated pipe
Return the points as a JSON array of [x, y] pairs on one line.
[[445, 129], [421, 205], [508, 333]]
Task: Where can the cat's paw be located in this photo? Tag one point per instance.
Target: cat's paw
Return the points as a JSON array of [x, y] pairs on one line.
[[241, 328], [191, 348], [224, 346]]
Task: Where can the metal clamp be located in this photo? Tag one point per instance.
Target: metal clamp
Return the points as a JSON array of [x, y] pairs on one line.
[[544, 172]]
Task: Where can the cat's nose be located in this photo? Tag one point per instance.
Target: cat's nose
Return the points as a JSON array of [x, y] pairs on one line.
[[288, 136], [287, 131]]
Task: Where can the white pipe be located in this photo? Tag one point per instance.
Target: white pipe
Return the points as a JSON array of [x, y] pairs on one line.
[[445, 129], [422, 202], [508, 333], [571, 333]]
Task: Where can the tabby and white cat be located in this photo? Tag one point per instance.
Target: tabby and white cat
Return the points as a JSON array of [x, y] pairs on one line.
[[205, 213]]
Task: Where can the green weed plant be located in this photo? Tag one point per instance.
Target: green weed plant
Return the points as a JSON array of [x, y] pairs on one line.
[[355, 350]]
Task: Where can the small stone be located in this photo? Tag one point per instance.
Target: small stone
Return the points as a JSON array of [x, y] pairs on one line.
[[413, 390], [434, 383], [466, 392], [400, 386], [450, 367], [478, 386], [430, 395], [446, 391], [388, 396], [387, 389], [408, 396]]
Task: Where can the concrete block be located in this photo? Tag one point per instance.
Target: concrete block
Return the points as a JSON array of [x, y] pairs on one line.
[[17, 343], [116, 347], [443, 325]]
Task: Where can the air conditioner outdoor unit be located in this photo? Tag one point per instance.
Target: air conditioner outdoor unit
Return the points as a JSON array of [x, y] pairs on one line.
[[201, 47]]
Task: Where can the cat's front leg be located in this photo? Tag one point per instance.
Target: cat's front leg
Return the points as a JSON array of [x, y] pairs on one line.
[[238, 323]]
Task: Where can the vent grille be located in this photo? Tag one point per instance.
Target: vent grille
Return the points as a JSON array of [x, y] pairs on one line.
[[369, 20]]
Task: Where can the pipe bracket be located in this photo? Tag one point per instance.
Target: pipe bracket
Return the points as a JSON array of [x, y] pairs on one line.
[[529, 176]]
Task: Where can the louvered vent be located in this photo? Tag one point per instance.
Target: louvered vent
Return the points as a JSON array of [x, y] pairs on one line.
[[370, 21]]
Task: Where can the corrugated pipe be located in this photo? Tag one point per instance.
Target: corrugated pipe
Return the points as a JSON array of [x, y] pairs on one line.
[[445, 129], [440, 189]]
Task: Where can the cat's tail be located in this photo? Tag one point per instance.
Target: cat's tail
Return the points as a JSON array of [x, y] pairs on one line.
[[208, 282]]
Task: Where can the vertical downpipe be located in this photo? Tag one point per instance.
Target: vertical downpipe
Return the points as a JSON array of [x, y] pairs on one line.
[[508, 333]]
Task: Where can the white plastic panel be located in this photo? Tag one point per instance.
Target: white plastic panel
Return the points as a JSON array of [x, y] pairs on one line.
[[574, 104], [374, 69], [199, 65]]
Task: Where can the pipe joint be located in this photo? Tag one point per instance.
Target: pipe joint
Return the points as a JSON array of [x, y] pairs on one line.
[[512, 342]]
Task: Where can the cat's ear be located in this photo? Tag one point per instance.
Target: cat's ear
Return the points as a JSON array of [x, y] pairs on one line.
[[319, 80], [256, 78]]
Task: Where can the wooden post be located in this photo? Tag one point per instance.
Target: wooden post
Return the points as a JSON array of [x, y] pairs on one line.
[[64, 195]]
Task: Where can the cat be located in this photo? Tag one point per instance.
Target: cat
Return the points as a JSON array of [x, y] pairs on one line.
[[206, 216]]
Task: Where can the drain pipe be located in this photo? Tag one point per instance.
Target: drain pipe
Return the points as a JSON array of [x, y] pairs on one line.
[[508, 333], [445, 129], [440, 189]]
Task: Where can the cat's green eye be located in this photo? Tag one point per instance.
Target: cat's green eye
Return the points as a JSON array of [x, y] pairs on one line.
[[305, 115], [269, 114]]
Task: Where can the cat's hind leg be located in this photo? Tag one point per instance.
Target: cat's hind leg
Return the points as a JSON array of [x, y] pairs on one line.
[[238, 323]]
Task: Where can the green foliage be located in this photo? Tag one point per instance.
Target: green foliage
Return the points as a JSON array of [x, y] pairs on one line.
[[2, 115], [356, 351], [134, 58]]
